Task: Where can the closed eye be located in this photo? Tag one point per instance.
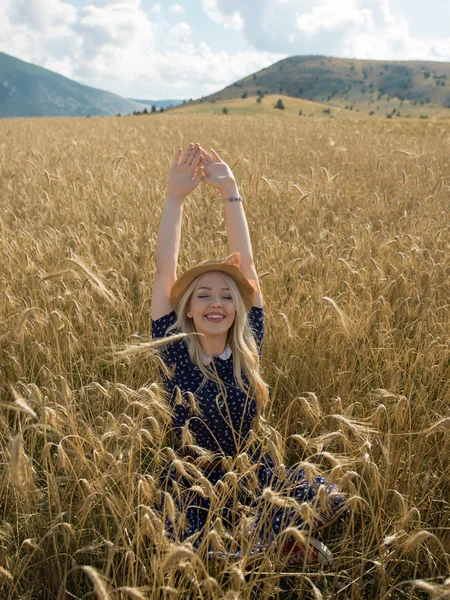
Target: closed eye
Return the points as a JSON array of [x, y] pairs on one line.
[[225, 297]]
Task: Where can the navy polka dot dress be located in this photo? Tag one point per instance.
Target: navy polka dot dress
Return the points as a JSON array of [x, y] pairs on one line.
[[222, 426]]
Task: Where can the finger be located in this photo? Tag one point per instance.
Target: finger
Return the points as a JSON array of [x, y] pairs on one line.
[[186, 152], [215, 155], [176, 158], [199, 175], [194, 156], [197, 158], [206, 156], [191, 155]]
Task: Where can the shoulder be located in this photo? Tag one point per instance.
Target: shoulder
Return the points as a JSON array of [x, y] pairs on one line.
[[256, 322], [159, 326], [256, 315], [175, 352]]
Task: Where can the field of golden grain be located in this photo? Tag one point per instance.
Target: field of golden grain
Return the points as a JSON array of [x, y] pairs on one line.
[[350, 229]]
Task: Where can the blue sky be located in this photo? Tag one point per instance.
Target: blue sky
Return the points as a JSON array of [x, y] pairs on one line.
[[190, 48]]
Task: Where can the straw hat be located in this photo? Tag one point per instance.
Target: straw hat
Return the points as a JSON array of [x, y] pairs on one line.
[[229, 265]]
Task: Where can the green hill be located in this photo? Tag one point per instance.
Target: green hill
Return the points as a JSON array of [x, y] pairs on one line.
[[415, 87], [30, 91]]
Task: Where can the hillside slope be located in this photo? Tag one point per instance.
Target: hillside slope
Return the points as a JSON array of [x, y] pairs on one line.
[[27, 90], [367, 85], [249, 106]]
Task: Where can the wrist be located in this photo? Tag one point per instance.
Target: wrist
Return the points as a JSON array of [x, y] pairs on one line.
[[229, 190], [178, 198]]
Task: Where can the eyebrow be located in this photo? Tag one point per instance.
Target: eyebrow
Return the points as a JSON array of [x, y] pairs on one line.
[[208, 288]]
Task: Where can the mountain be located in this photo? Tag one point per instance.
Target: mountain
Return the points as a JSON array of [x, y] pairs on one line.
[[27, 90], [159, 103], [364, 85]]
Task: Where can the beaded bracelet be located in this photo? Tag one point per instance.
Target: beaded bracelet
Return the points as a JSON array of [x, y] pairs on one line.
[[235, 199]]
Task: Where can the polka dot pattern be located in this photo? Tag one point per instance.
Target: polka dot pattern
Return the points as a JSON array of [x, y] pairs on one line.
[[222, 425]]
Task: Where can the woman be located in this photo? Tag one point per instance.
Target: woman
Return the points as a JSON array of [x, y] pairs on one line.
[[214, 384]]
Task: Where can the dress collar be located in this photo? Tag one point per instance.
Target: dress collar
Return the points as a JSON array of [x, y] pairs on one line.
[[224, 356]]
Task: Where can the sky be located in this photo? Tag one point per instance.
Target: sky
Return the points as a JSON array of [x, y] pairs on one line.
[[191, 48]]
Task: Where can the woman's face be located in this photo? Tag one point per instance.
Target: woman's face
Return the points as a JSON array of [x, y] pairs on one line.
[[211, 298]]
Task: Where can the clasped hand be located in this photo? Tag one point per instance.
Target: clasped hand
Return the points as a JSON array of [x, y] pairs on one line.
[[194, 166]]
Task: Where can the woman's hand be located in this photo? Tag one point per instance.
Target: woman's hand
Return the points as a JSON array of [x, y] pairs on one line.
[[185, 173], [218, 174]]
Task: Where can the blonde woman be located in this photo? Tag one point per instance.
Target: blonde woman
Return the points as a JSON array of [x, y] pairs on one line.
[[213, 379]]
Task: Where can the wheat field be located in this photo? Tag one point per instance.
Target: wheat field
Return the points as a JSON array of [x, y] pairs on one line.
[[349, 223]]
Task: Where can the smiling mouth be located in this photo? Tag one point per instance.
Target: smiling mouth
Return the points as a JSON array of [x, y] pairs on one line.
[[214, 320]]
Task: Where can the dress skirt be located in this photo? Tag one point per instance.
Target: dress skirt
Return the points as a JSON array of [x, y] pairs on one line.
[[272, 498]]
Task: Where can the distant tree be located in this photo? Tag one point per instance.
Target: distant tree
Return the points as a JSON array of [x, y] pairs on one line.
[[145, 111], [118, 115], [260, 93], [279, 104], [225, 110], [327, 111], [161, 109], [372, 112], [300, 112], [244, 95], [154, 108], [259, 99]]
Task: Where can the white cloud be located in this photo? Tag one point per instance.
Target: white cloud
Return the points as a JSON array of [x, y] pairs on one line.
[[176, 8], [42, 15], [119, 47], [180, 36], [221, 14], [332, 15], [122, 24], [348, 28]]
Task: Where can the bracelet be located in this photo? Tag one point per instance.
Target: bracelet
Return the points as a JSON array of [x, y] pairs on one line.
[[235, 199]]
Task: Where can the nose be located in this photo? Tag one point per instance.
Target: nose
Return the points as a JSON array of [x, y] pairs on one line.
[[216, 302]]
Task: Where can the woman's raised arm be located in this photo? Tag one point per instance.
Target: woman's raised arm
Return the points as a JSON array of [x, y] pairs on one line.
[[183, 178], [219, 175]]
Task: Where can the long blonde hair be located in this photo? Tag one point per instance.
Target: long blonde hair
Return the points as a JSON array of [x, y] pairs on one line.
[[241, 340]]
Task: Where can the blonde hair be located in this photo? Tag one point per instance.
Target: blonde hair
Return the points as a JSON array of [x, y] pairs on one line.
[[242, 343]]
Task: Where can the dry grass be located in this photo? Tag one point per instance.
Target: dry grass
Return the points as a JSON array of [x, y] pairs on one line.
[[360, 110], [350, 231]]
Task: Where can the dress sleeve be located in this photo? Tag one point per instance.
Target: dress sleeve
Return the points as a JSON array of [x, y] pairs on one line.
[[256, 322], [170, 353]]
